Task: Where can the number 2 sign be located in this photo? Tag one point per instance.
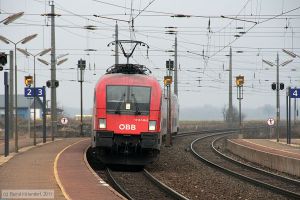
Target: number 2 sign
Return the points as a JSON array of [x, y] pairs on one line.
[[31, 92]]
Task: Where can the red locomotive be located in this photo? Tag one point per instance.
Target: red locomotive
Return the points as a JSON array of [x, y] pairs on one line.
[[130, 111]]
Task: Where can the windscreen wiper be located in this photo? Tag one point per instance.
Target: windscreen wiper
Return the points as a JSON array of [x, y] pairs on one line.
[[119, 104], [137, 109]]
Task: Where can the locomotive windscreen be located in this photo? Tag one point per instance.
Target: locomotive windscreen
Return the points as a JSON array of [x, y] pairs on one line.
[[133, 100]]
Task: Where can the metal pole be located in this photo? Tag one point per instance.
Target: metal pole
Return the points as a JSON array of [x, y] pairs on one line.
[[53, 76], [11, 94], [81, 125], [6, 149], [170, 114], [175, 69], [287, 115], [29, 115], [295, 110], [277, 98], [44, 115], [240, 109], [16, 103], [290, 134], [34, 107], [230, 89], [169, 138], [116, 44]]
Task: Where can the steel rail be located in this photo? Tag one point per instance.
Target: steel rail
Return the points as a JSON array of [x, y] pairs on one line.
[[238, 175], [164, 187], [118, 187], [284, 178], [190, 133], [160, 185]]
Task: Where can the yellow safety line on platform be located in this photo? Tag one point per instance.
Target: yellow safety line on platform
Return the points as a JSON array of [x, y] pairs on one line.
[[56, 172]]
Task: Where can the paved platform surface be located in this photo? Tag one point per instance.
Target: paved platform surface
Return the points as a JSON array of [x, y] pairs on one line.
[[271, 146], [77, 180], [33, 169]]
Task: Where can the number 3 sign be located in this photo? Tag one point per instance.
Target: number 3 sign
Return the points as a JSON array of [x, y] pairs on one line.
[[31, 92]]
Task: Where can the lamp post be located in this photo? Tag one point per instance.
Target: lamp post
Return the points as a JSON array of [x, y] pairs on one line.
[[277, 89], [293, 55], [23, 41], [41, 53], [52, 84]]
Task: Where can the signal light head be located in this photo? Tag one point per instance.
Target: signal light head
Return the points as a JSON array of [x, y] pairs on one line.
[[281, 86], [50, 84], [239, 81], [273, 86], [167, 80], [28, 80], [3, 58]]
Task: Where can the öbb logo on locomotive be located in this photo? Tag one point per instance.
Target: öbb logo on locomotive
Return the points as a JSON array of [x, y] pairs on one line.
[[127, 127]]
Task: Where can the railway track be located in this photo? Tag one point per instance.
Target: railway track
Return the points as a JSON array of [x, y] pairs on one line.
[[141, 185], [200, 132], [212, 156]]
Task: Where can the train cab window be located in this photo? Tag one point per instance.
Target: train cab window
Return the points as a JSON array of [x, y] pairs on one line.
[[133, 100]]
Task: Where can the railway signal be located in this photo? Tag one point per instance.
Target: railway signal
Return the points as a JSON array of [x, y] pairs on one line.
[[168, 80], [28, 80], [281, 86], [53, 84], [240, 83], [80, 75], [3, 60], [170, 64]]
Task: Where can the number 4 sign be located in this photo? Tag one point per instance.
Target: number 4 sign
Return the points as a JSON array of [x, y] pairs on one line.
[[294, 93]]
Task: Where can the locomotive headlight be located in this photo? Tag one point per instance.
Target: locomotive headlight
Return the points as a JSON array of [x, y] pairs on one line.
[[102, 123], [152, 125]]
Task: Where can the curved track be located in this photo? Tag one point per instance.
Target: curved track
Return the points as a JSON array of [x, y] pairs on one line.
[[141, 185], [204, 150]]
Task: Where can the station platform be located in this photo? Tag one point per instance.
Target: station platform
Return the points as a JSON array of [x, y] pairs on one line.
[[56, 170], [275, 155], [24, 141]]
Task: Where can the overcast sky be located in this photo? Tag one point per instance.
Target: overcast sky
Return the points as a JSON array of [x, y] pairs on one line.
[[263, 28]]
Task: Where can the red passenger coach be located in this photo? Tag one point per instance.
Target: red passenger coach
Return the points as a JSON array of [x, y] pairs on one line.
[[129, 116]]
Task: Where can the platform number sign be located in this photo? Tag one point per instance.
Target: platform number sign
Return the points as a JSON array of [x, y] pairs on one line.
[[39, 91], [31, 92], [295, 93]]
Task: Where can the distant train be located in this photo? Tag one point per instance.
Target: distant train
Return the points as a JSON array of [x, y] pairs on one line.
[[130, 116]]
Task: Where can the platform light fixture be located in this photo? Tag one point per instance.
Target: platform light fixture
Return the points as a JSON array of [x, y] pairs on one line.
[[41, 53], [23, 41], [278, 86], [12, 18]]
